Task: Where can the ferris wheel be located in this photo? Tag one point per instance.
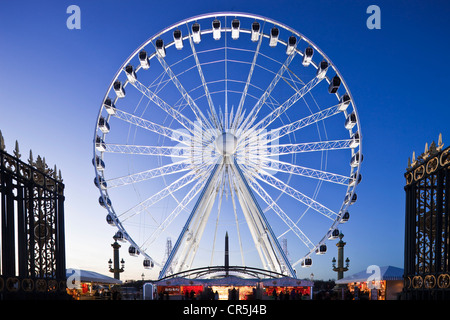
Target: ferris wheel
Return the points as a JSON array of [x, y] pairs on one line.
[[227, 123]]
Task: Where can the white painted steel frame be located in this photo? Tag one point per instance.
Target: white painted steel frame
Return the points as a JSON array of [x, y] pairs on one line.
[[212, 176]]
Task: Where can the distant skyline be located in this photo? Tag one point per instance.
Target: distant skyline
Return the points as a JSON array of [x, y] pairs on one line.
[[54, 79]]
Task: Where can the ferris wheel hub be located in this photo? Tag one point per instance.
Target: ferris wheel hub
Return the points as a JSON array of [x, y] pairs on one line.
[[226, 144]]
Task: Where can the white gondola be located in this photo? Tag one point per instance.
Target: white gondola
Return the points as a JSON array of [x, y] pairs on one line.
[[110, 220], [292, 43], [322, 249], [235, 26], [350, 122], [345, 217], [103, 125], [334, 234], [109, 106], [274, 33], [131, 74], [160, 48], [344, 101], [355, 140], [143, 60], [100, 182], [307, 56], [216, 29], [119, 236], [354, 179], [104, 202], [351, 199], [255, 31], [334, 84], [133, 251], [306, 263], [100, 145], [118, 88], [148, 264], [357, 158], [98, 163], [178, 39], [322, 69], [196, 36]]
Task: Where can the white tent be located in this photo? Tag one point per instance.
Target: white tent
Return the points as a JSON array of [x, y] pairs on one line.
[[386, 273], [90, 276]]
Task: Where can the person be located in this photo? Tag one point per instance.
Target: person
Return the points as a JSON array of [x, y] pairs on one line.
[[274, 294], [216, 295]]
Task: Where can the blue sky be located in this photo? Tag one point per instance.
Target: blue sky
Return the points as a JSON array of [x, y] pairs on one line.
[[53, 80]]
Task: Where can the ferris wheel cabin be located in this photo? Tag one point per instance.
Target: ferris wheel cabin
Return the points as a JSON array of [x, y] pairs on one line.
[[143, 60], [119, 89], [307, 56], [274, 33], [255, 31], [334, 84], [350, 121], [196, 36], [322, 69], [216, 29], [109, 106], [160, 48], [235, 26], [292, 42], [178, 39], [131, 74]]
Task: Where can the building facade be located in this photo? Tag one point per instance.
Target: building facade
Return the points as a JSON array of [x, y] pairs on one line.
[[427, 222]]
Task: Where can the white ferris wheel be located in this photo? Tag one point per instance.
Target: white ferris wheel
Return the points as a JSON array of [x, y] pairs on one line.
[[227, 123]]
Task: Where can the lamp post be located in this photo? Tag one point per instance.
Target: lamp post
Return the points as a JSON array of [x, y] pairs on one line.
[[340, 269], [116, 269]]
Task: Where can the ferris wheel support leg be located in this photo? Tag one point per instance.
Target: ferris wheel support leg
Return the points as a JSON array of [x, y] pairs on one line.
[[204, 197], [271, 243]]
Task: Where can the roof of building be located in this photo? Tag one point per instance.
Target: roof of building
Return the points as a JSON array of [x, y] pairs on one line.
[[386, 273], [90, 276]]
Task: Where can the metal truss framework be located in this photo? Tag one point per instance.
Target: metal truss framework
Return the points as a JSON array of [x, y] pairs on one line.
[[209, 169]]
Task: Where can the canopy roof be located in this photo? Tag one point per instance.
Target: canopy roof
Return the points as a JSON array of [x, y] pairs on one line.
[[386, 273], [91, 276]]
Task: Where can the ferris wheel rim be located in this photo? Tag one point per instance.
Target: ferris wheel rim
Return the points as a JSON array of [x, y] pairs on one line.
[[350, 189]]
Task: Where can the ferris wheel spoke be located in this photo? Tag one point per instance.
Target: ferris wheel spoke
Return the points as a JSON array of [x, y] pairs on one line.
[[175, 151], [180, 207], [219, 209], [195, 109], [281, 166], [176, 135], [294, 193], [294, 126], [276, 208], [252, 115], [175, 114], [202, 76], [267, 120], [233, 186], [247, 84], [284, 149], [172, 168], [174, 186]]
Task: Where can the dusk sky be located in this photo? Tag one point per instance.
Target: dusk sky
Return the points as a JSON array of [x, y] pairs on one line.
[[53, 81]]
